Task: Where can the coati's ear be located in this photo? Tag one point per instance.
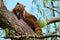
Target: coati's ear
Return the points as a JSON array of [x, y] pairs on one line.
[[18, 3], [21, 4]]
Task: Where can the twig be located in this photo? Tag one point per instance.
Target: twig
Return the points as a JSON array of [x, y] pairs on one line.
[[31, 36], [52, 9]]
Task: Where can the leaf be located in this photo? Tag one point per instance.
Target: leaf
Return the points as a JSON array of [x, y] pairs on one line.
[[6, 31], [41, 11], [12, 31], [44, 23], [45, 2], [52, 0]]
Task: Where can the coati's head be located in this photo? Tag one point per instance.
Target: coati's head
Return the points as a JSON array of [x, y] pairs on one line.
[[19, 8]]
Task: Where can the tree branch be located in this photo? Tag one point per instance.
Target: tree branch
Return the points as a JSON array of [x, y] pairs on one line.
[[53, 19], [32, 36], [52, 9]]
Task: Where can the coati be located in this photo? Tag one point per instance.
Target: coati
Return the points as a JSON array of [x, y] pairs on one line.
[[21, 13]]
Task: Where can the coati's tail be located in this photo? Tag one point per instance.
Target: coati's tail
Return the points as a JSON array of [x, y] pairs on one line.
[[37, 27]]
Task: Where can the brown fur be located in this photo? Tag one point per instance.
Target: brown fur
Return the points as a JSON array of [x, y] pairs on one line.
[[28, 18]]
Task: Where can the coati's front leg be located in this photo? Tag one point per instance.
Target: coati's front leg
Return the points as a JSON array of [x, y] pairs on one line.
[[19, 14]]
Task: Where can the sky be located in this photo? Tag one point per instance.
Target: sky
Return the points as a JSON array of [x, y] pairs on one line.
[[12, 3]]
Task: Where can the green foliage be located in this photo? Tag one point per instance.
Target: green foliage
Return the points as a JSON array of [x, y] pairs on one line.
[[40, 10], [44, 23], [45, 2], [6, 31], [52, 0], [26, 37], [12, 32]]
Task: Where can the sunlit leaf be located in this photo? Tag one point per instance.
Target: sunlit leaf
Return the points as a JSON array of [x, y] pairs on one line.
[[45, 2], [52, 0], [44, 23], [4, 33], [41, 11], [12, 31], [7, 31]]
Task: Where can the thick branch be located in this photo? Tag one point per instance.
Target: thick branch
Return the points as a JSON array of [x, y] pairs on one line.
[[53, 19]]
